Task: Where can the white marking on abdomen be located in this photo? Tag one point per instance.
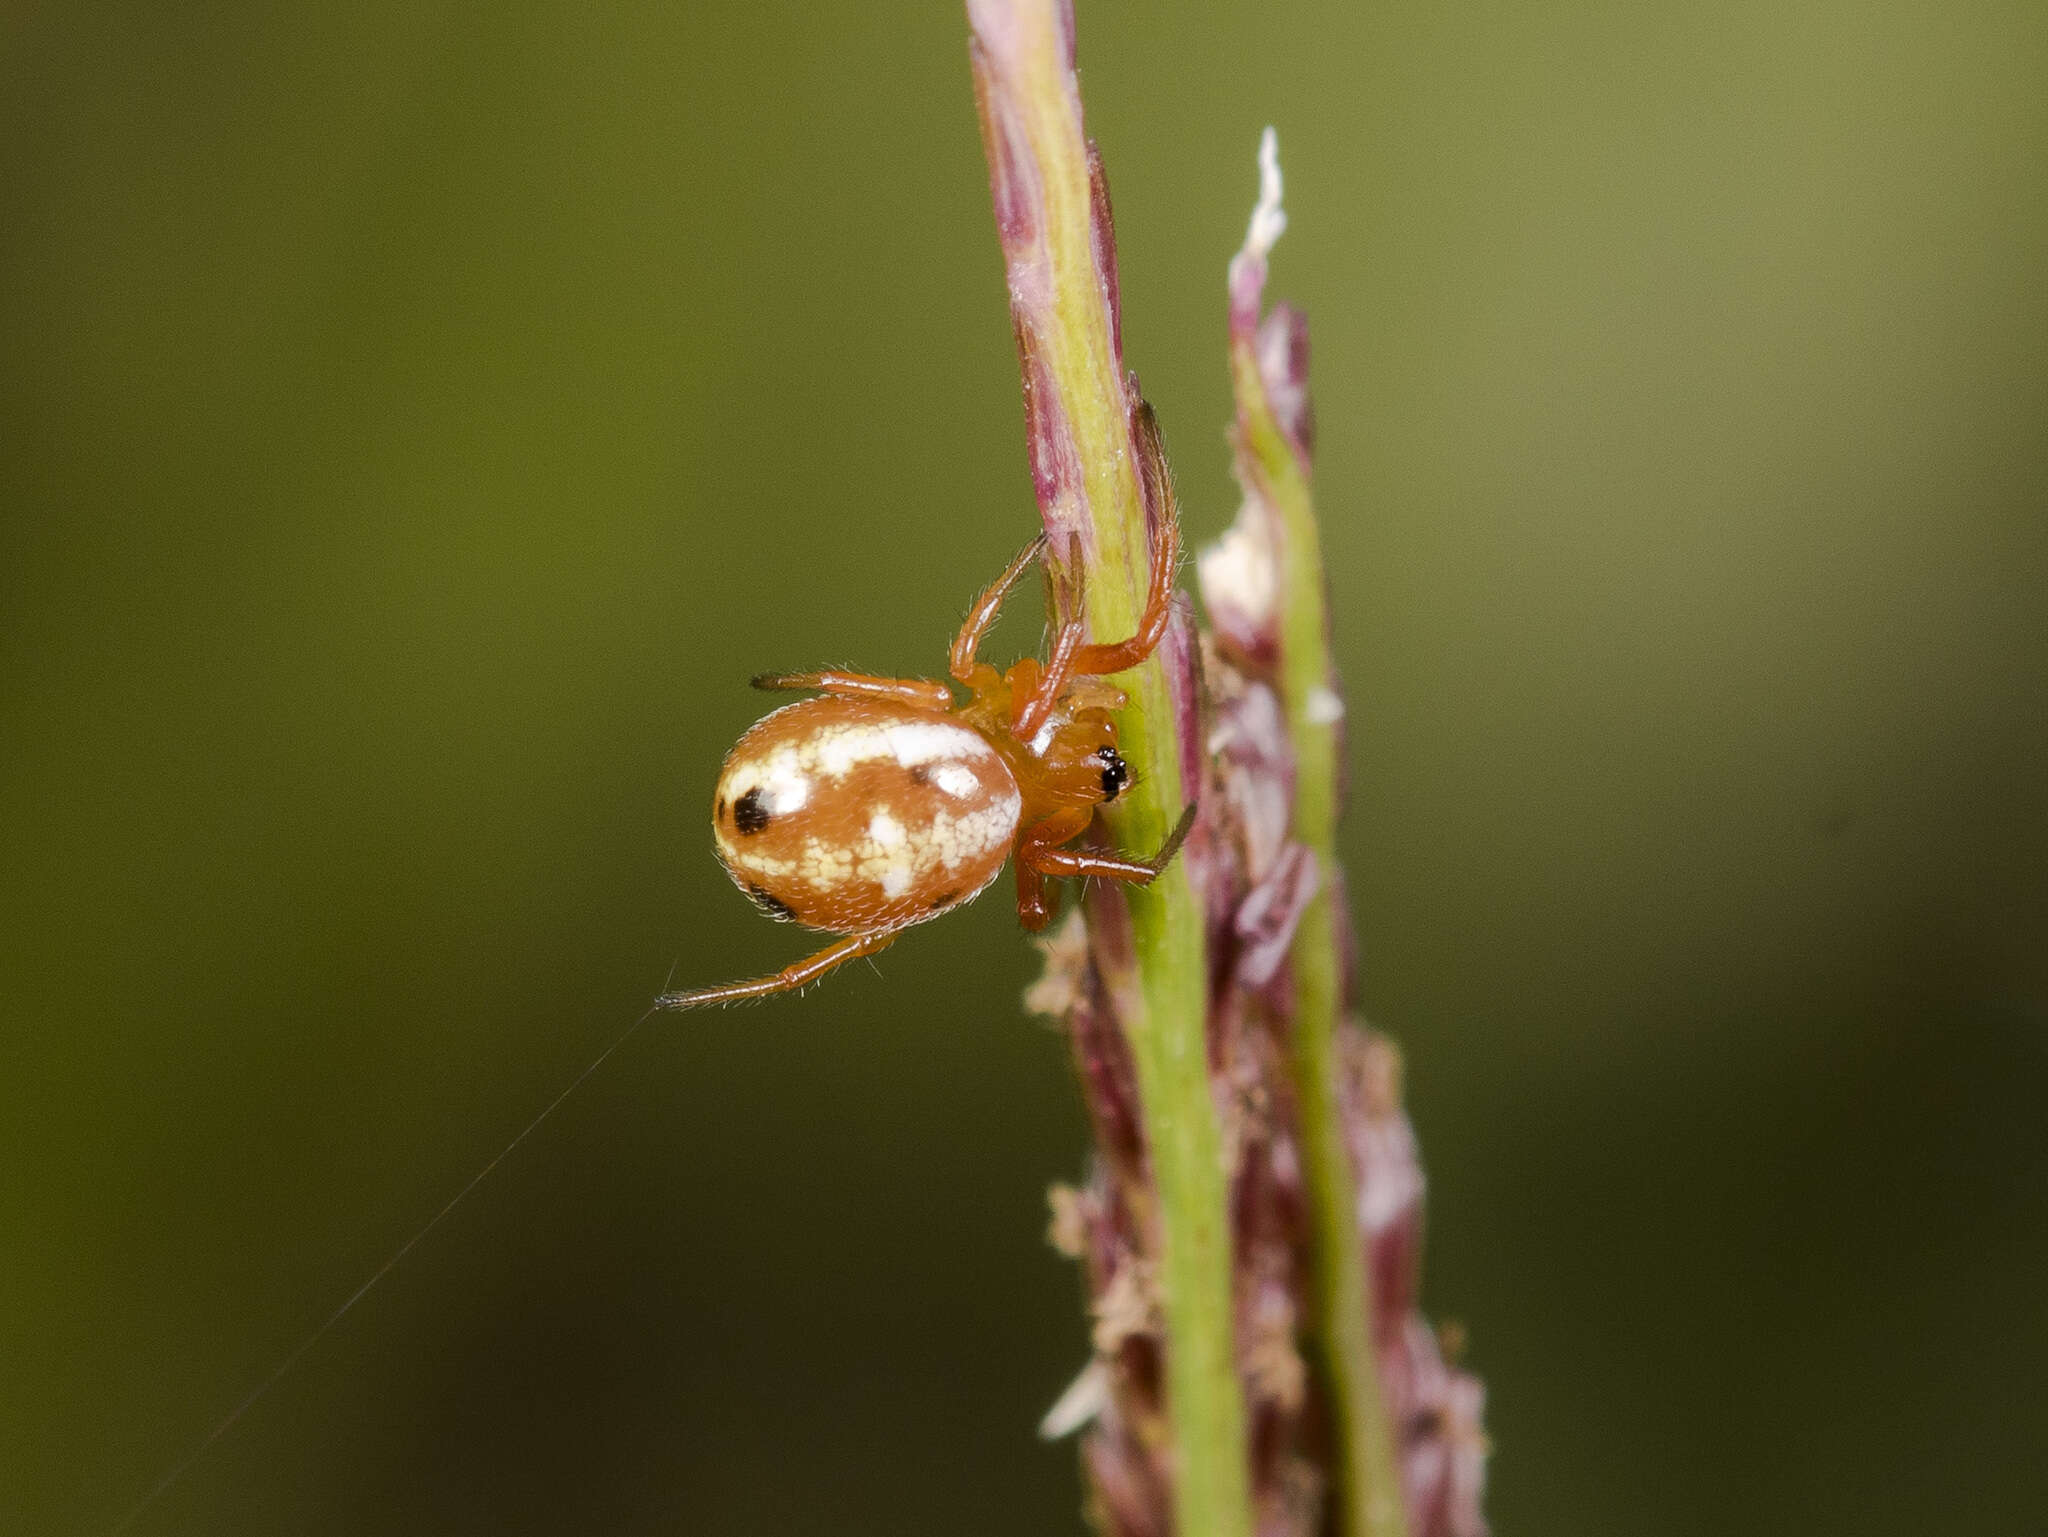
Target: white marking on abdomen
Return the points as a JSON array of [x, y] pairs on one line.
[[785, 791], [955, 840], [837, 749]]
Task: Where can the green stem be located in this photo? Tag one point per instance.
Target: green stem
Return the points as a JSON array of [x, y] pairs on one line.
[[1064, 319], [1369, 1488]]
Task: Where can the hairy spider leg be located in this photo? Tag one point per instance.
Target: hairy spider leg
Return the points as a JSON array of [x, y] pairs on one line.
[[1162, 506], [1069, 659], [1034, 912], [787, 980], [1037, 689], [1098, 660], [1039, 854], [982, 617], [920, 693]]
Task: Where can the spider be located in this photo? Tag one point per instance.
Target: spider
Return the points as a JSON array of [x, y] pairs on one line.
[[884, 802]]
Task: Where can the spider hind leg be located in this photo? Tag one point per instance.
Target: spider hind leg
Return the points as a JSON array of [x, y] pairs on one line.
[[924, 693], [788, 980]]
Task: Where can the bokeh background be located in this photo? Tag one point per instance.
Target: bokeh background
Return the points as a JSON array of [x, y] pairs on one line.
[[420, 419]]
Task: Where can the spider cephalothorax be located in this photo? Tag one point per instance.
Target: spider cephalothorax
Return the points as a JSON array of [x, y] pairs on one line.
[[887, 801]]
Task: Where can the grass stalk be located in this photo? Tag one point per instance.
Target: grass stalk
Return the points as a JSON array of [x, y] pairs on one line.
[[1276, 465], [1052, 211]]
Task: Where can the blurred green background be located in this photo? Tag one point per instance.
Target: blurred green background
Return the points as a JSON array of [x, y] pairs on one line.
[[421, 419]]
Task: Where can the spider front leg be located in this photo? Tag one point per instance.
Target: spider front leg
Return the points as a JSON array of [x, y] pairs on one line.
[[787, 980], [982, 617], [1070, 659], [923, 693], [1158, 608]]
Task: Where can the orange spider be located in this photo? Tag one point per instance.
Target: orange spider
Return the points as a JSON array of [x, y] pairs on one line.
[[885, 803]]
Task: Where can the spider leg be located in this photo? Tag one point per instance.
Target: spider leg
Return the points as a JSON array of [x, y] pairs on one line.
[[1164, 507], [787, 980], [1070, 659], [1039, 854], [1049, 859], [1034, 912], [925, 693], [982, 617], [1032, 709]]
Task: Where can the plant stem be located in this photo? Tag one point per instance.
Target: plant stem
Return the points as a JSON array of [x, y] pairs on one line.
[[1368, 1481], [1052, 212]]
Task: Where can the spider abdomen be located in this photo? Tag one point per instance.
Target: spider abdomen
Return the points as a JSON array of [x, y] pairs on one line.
[[861, 815]]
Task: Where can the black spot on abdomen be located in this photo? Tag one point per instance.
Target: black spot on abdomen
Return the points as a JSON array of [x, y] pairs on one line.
[[945, 901], [748, 814], [770, 904]]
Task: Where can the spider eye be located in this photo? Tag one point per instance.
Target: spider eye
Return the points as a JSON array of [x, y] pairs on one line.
[[1115, 772]]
